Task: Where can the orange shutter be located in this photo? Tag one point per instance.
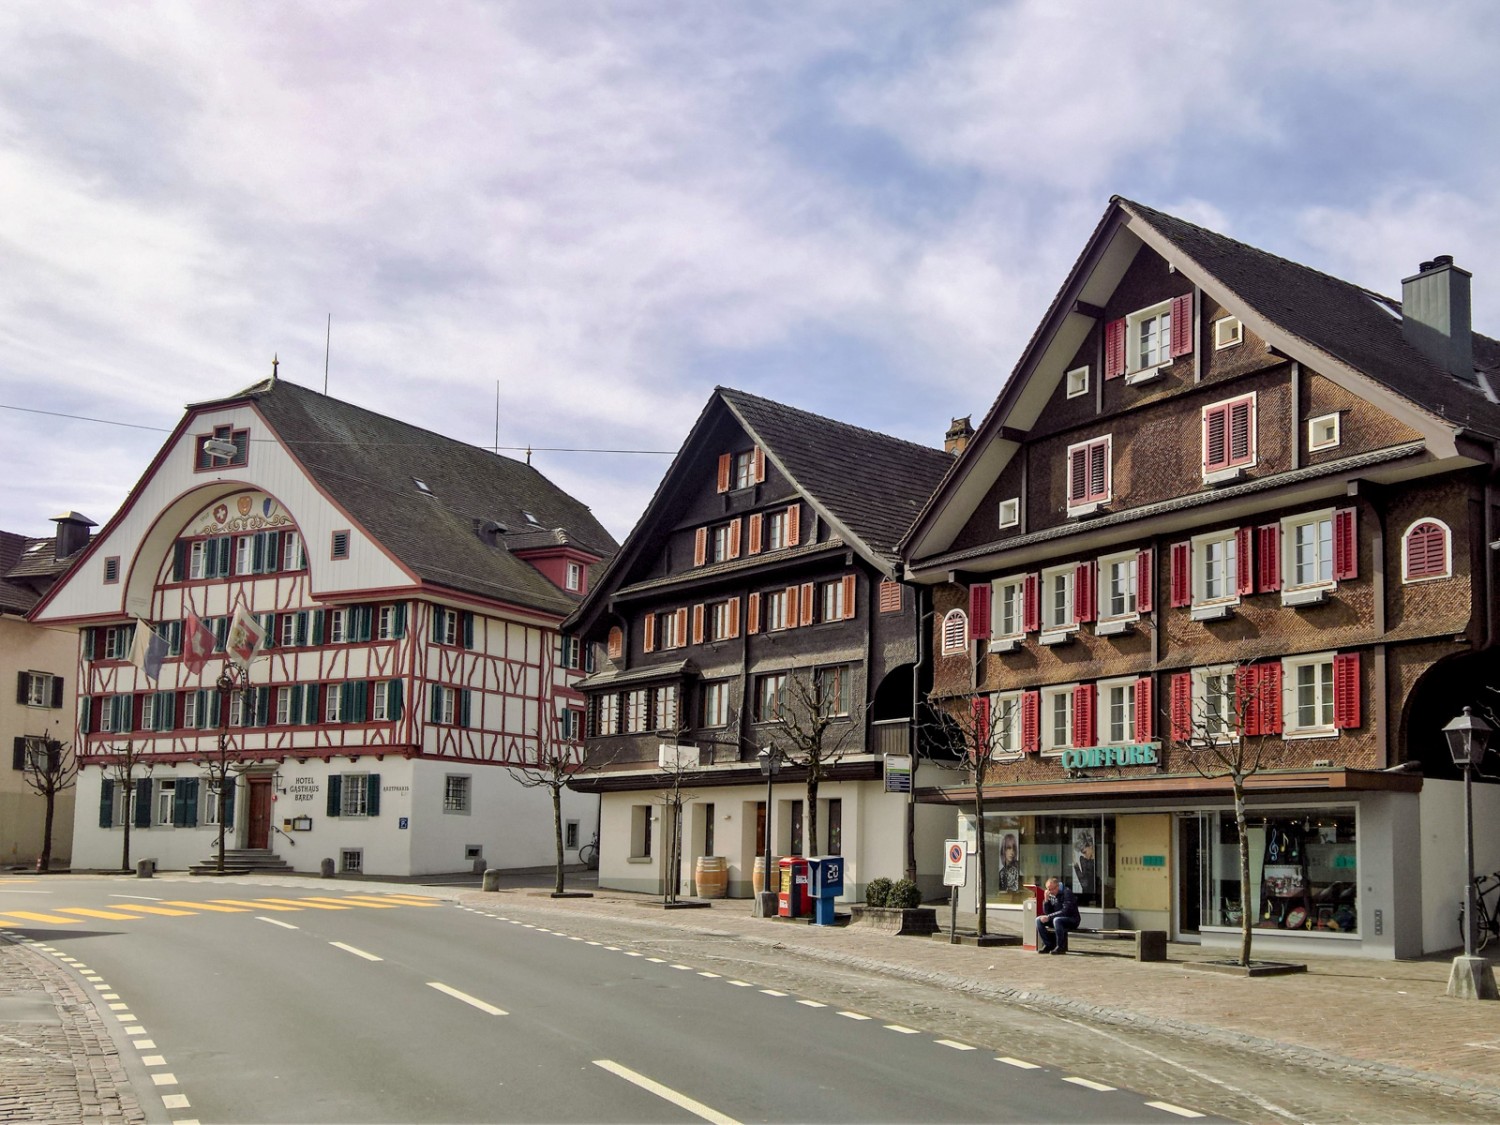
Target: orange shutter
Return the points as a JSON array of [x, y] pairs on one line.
[[698, 624], [734, 538], [616, 644], [700, 546], [758, 461], [807, 603], [791, 607], [734, 617], [849, 588], [726, 471], [890, 596], [755, 524], [793, 525], [752, 614], [682, 620], [648, 634]]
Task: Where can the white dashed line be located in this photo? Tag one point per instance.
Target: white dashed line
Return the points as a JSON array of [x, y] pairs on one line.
[[137, 1030], [276, 922], [896, 1027], [812, 1003], [1177, 1109], [633, 953], [657, 960], [356, 952], [467, 999], [739, 983], [164, 1079], [124, 1017], [772, 992], [1088, 1084], [175, 1101], [955, 1044], [153, 1060], [143, 1044], [666, 1093], [1021, 1063], [706, 973], [854, 1015], [684, 968]]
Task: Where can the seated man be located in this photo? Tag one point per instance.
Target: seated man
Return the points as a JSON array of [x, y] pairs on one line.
[[1059, 915]]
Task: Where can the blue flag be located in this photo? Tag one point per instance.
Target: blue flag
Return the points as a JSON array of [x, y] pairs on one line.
[[148, 650]]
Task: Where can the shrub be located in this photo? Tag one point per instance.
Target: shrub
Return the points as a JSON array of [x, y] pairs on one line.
[[904, 895], [878, 892]]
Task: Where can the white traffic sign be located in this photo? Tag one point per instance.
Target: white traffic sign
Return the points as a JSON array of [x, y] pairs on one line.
[[956, 867]]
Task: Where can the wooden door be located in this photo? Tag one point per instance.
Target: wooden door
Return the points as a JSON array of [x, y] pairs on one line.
[[258, 827]]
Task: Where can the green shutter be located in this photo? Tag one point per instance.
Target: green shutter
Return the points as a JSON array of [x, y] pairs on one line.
[[90, 639], [273, 551], [438, 613], [174, 638], [268, 622], [166, 710], [311, 714], [229, 802], [393, 700], [263, 708], [258, 554], [335, 793], [226, 557], [179, 560], [106, 803], [317, 626], [372, 794], [85, 712], [302, 628], [464, 697], [398, 624], [468, 629], [184, 798], [435, 712], [143, 803], [215, 708]]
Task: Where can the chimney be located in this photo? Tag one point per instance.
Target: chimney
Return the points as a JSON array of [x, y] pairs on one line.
[[72, 534], [956, 440], [1435, 316]]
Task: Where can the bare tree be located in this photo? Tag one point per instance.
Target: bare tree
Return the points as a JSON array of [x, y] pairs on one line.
[[1222, 729], [125, 766], [559, 763], [964, 733], [813, 726], [50, 768], [674, 770]]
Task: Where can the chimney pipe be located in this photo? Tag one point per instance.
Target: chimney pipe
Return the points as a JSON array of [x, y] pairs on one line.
[[72, 534], [1436, 316]]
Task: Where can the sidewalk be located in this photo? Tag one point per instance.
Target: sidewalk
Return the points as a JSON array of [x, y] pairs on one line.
[[1388, 1019]]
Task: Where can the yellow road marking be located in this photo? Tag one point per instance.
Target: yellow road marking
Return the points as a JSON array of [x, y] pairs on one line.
[[207, 906], [111, 915], [350, 900], [32, 917], [305, 903], [254, 904], [407, 900], [162, 910]]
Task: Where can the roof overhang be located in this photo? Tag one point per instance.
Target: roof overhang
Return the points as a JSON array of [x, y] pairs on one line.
[[1165, 787]]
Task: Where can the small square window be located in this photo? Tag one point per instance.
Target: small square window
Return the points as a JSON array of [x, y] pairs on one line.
[[1078, 382], [1228, 332], [1323, 432], [1010, 512], [575, 577]]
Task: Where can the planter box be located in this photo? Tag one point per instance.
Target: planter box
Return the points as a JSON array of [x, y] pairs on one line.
[[919, 920]]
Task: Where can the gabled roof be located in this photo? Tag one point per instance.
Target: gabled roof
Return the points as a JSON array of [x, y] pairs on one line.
[[866, 486], [28, 566], [366, 462], [1344, 331]]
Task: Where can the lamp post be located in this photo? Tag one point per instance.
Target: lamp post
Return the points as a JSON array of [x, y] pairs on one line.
[[1468, 737], [770, 765], [232, 679]]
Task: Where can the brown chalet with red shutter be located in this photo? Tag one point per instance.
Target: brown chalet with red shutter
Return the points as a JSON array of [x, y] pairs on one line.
[[1226, 500], [765, 558]]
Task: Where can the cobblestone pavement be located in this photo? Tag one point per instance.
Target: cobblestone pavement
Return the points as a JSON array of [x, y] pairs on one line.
[[58, 1065]]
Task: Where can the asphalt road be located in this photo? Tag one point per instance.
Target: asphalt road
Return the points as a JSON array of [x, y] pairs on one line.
[[327, 1005]]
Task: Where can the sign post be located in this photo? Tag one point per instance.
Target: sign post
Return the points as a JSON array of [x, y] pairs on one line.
[[955, 875]]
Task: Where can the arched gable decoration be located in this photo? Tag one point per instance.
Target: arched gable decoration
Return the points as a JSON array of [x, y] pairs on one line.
[[955, 632], [1426, 551]]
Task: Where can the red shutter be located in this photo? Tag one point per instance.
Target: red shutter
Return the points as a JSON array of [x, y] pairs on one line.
[[808, 603], [890, 596], [1268, 688], [734, 538], [1099, 471], [758, 464], [726, 471], [1031, 722], [1215, 438], [1083, 715], [734, 617], [1078, 475], [682, 626], [1346, 687], [700, 546], [1182, 574], [1031, 604], [981, 706], [1240, 417], [979, 610], [752, 614], [793, 525], [648, 634], [698, 624], [1145, 581], [1345, 544], [1182, 325], [755, 525], [1084, 592], [1244, 560], [792, 600], [1182, 706], [1145, 712], [849, 588], [1268, 575], [1426, 550], [1249, 707], [1114, 348]]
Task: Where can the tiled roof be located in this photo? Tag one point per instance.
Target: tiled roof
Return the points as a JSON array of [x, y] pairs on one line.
[[872, 483], [1356, 325], [367, 461], [745, 562], [28, 567]]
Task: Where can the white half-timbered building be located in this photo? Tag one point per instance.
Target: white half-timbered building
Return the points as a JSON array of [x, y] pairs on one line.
[[411, 587]]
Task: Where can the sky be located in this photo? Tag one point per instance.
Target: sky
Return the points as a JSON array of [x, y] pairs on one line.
[[589, 214]]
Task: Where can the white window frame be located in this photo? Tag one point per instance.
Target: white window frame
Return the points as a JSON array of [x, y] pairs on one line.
[[208, 803], [1007, 595], [39, 689], [1054, 713], [283, 706], [1214, 703], [769, 704], [1076, 382], [1059, 580], [720, 621], [719, 534], [776, 526], [1291, 526], [292, 556], [354, 795], [744, 469], [1092, 501], [1104, 711], [164, 793], [198, 559], [955, 632], [337, 627], [332, 698], [380, 704], [447, 700], [458, 790], [637, 711], [570, 653], [1136, 370], [148, 711], [608, 714], [831, 601], [1115, 571], [1324, 432], [1232, 468], [664, 706], [1005, 724], [775, 611], [1010, 512], [716, 703], [450, 634], [287, 628], [244, 554], [237, 708], [1229, 332], [191, 720], [574, 579], [834, 703], [1202, 547], [671, 636], [385, 626], [1292, 668], [1447, 571]]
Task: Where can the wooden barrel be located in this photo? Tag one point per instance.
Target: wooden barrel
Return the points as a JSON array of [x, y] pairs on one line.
[[712, 876], [758, 875]]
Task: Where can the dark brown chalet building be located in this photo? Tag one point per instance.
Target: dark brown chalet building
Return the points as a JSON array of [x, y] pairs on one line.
[[1226, 498], [763, 570]]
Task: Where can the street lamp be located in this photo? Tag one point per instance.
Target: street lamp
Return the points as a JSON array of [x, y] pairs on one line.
[[770, 765], [232, 679], [1468, 738]]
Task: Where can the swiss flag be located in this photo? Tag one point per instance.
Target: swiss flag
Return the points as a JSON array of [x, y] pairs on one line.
[[197, 643]]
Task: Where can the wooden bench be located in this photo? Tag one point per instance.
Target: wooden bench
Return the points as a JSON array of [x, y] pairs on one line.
[[1150, 945]]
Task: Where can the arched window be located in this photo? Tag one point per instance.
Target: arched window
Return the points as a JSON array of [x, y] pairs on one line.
[[616, 644], [1426, 551], [955, 632]]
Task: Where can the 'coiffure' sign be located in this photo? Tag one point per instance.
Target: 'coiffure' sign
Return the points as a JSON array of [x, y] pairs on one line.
[[1101, 757]]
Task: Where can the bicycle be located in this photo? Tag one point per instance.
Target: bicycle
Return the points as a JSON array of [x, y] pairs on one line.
[[588, 855], [1487, 928]]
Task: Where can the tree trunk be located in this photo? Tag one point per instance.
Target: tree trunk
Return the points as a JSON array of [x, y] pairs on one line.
[[812, 810], [1246, 916], [557, 832], [129, 816], [981, 890], [45, 862]]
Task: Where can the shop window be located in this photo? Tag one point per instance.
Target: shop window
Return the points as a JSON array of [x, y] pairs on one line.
[[1304, 872], [1079, 850]]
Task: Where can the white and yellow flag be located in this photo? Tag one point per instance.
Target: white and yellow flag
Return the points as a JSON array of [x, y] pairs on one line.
[[247, 637]]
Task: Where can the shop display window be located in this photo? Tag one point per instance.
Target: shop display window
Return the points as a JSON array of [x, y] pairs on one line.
[[1022, 850], [1303, 872]]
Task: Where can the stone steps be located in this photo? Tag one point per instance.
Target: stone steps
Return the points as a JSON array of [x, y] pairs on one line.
[[243, 861]]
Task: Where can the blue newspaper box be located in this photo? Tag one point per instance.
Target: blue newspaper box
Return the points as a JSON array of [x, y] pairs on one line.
[[825, 877]]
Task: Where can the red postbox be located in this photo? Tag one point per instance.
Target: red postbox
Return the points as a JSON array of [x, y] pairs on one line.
[[793, 899]]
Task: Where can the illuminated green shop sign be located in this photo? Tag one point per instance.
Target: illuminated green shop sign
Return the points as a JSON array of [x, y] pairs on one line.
[[1096, 757]]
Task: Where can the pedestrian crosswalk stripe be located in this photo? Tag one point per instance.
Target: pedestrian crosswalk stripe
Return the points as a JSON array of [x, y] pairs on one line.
[[109, 915], [184, 908], [254, 905], [206, 906], [30, 916], [352, 901], [407, 900], [162, 910], [305, 903]]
